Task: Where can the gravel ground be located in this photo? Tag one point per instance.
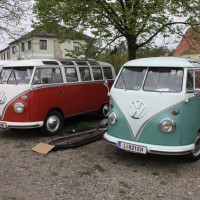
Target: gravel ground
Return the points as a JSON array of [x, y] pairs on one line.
[[94, 171]]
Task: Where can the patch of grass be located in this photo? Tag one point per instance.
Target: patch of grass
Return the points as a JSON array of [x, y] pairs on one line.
[[129, 165], [86, 173], [19, 146], [163, 183], [54, 173], [124, 184], [155, 173], [174, 170], [122, 192], [99, 168], [114, 162]]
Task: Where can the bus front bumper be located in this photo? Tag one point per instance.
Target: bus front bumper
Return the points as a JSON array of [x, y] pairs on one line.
[[20, 125], [154, 149]]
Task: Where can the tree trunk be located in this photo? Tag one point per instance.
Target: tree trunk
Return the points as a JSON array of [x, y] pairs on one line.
[[132, 48]]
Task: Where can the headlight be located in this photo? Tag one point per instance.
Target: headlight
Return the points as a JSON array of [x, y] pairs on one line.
[[112, 118], [19, 108], [167, 125]]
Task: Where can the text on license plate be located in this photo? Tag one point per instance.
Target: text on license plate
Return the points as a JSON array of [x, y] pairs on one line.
[[132, 147]]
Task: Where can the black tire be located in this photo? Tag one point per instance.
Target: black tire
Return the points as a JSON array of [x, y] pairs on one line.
[[104, 111], [53, 123], [195, 154]]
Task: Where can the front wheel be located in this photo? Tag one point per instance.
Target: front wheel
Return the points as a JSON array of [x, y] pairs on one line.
[[195, 154], [103, 112], [53, 123]]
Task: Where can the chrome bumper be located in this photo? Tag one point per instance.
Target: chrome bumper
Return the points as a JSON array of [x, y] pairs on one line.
[[20, 125], [154, 149]]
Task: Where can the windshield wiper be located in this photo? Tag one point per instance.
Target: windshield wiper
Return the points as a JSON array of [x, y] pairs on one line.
[[15, 77], [123, 81], [156, 82]]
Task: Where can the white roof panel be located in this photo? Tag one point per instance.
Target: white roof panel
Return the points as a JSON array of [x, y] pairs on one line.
[[163, 62]]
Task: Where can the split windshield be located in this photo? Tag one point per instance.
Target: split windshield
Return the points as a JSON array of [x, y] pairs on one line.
[[151, 79], [16, 75]]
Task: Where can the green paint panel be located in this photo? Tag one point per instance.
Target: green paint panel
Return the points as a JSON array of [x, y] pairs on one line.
[[121, 129], [151, 134], [187, 125]]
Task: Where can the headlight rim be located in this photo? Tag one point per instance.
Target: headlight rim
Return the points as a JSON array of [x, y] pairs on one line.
[[17, 106], [170, 129], [114, 118]]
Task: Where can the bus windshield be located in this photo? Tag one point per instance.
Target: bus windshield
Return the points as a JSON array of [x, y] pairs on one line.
[[157, 79], [164, 80], [16, 75]]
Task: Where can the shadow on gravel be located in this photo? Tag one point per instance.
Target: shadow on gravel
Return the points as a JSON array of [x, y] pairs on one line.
[[149, 160], [85, 121]]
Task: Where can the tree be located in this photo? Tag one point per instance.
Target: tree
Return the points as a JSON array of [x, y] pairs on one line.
[[13, 17], [138, 21]]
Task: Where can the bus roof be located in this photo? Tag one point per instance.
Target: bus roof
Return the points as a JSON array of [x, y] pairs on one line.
[[164, 62], [41, 62], [31, 62]]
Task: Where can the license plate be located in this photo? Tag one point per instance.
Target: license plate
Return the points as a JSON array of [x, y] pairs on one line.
[[3, 125], [132, 147]]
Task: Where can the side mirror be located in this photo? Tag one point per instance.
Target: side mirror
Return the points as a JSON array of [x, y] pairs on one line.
[[106, 84]]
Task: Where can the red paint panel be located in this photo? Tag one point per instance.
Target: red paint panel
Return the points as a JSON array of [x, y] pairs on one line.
[[12, 116], [45, 99], [70, 99]]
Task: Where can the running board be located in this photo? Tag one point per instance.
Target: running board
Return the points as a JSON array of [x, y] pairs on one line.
[[78, 139]]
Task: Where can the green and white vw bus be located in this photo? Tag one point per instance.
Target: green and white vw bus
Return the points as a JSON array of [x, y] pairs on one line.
[[155, 107]]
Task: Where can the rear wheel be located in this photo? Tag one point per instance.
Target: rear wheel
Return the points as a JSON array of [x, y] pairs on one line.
[[195, 154], [103, 112], [53, 123]]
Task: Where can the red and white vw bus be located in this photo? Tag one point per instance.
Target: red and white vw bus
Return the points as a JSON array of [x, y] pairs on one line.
[[41, 93]]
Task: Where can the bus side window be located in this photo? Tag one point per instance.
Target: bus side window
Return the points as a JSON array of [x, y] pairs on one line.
[[71, 74], [85, 73], [107, 73], [190, 82], [56, 76], [197, 80], [97, 73], [37, 76]]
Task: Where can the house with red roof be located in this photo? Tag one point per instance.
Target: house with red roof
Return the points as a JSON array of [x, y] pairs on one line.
[[189, 45]]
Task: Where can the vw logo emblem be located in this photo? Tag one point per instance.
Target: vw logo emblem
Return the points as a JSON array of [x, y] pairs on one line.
[[137, 109], [3, 97]]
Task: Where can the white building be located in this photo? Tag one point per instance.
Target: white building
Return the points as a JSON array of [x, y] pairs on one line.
[[38, 44]]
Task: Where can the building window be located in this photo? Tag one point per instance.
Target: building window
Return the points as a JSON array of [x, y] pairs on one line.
[[29, 45], [43, 44], [13, 49], [76, 46], [23, 46]]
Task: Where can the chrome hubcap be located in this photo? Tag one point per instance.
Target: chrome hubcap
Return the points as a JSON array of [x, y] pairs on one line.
[[105, 110], [196, 150], [53, 123]]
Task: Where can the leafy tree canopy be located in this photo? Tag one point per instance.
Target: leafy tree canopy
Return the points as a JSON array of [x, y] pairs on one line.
[[138, 21], [13, 15]]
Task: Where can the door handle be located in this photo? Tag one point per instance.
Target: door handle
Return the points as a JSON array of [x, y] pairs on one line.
[[61, 92]]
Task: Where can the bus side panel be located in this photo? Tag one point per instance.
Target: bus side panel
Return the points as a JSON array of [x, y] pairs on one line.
[[44, 99], [191, 120], [84, 97]]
